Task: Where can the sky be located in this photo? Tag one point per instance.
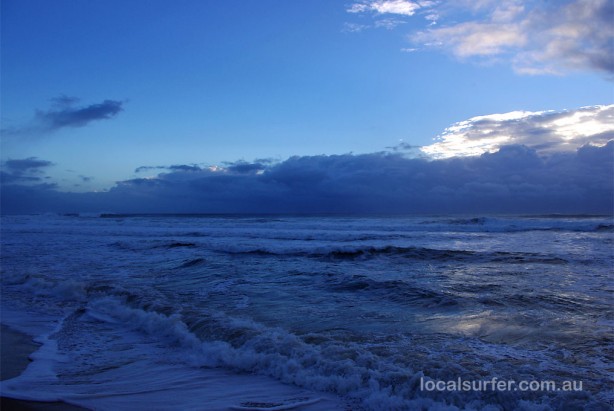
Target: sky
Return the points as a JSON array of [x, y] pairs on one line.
[[307, 106]]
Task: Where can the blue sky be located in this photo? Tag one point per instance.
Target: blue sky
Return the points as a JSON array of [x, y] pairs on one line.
[[100, 88]]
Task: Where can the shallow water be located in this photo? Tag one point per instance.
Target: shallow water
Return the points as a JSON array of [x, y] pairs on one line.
[[193, 312]]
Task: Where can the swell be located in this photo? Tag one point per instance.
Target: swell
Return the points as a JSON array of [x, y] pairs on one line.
[[411, 253], [501, 225], [324, 363], [383, 374], [216, 340], [393, 290]]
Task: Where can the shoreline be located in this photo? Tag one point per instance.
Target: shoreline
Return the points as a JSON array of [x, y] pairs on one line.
[[15, 350]]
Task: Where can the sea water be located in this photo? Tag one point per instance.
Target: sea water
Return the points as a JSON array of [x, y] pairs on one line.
[[310, 312]]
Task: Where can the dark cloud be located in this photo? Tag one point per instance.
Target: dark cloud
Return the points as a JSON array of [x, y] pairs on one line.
[[265, 161], [402, 146], [27, 164], [69, 116], [243, 167], [515, 179], [148, 168], [586, 35], [64, 114], [179, 167], [183, 167], [65, 101], [235, 167], [11, 178], [27, 170]]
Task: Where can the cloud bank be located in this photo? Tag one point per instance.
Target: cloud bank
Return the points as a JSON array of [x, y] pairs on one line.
[[514, 179], [536, 37]]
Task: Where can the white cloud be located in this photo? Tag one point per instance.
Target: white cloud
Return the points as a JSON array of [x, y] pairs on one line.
[[388, 24], [432, 17], [400, 7], [354, 27], [474, 39], [544, 131], [507, 11], [535, 37], [539, 39]]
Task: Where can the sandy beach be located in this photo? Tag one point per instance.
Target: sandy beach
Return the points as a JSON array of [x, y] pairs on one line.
[[15, 348]]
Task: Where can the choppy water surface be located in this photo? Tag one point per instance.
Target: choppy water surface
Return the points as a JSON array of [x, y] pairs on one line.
[[211, 312]]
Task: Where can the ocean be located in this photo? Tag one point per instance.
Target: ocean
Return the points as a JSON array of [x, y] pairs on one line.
[[217, 312]]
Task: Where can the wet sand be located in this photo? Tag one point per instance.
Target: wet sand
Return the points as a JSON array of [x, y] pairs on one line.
[[15, 349]]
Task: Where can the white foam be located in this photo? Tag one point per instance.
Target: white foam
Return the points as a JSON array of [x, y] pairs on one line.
[[143, 386], [129, 372]]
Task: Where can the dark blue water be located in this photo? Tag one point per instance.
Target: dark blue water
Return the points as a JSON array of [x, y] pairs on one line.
[[333, 312]]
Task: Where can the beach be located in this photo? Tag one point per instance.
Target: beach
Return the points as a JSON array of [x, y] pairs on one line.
[[15, 348]]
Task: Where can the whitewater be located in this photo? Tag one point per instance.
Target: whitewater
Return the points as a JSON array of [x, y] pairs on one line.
[[218, 312]]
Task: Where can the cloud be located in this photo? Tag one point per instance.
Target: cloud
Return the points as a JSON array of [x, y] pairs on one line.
[[27, 170], [474, 39], [544, 131], [64, 114], [518, 162], [381, 8], [178, 167], [11, 178], [513, 179], [27, 164], [243, 167], [64, 100], [399, 7], [230, 167], [354, 27], [388, 24], [535, 37]]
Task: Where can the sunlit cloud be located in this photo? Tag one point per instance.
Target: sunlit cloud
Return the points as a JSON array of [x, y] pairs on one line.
[[534, 37], [474, 39], [400, 7], [544, 131], [537, 38]]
